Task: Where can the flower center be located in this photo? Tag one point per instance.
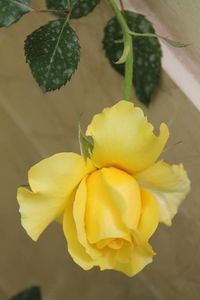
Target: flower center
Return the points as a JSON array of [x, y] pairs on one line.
[[116, 244]]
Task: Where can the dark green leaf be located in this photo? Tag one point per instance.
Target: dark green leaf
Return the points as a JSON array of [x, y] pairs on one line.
[[29, 294], [12, 10], [53, 53], [61, 7], [78, 8], [60, 4], [146, 51], [86, 145], [83, 8]]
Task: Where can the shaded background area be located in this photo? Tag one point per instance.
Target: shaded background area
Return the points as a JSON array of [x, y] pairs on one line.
[[34, 126], [180, 17]]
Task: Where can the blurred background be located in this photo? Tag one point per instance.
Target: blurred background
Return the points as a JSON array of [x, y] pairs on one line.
[[34, 126]]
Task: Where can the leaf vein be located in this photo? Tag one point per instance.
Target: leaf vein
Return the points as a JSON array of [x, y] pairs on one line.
[[54, 53]]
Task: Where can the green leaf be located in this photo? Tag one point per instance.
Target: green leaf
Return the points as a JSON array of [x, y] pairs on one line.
[[146, 52], [173, 43], [12, 10], [60, 4], [32, 293], [83, 8], [78, 8], [86, 145], [53, 53], [61, 8], [166, 39]]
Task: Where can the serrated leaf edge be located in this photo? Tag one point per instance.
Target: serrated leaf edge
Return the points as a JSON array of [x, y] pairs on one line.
[[22, 5]]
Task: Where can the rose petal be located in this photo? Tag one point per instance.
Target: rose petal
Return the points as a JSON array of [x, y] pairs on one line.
[[125, 194], [130, 259], [76, 250], [52, 181], [149, 215], [124, 138], [168, 184], [103, 216], [79, 214]]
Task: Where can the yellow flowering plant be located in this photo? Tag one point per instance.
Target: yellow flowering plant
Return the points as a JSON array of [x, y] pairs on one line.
[[111, 198], [111, 203]]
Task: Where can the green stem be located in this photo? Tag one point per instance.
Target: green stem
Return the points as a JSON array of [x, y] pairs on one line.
[[128, 83], [127, 55]]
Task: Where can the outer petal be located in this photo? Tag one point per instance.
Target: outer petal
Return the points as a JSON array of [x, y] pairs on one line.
[[130, 259], [141, 256], [52, 181], [168, 184], [149, 215], [76, 250], [79, 214], [124, 138]]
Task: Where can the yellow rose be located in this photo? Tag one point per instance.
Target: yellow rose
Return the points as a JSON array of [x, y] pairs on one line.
[[111, 204]]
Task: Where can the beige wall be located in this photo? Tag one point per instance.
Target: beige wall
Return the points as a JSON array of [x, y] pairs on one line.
[[33, 126], [182, 19], [178, 20]]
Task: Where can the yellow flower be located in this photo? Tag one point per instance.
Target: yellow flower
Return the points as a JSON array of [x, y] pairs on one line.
[[111, 204]]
